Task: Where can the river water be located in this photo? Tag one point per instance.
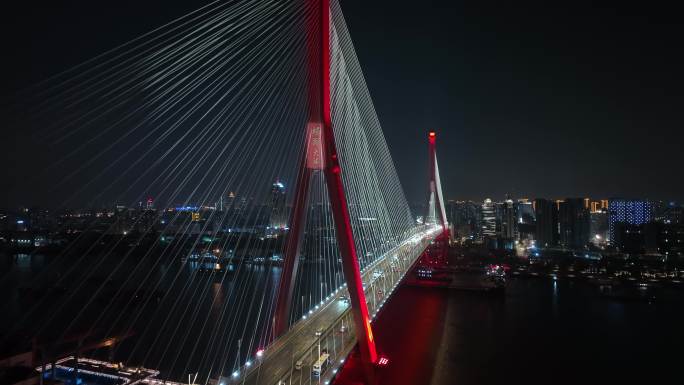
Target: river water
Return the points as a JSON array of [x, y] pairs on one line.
[[181, 320], [539, 331]]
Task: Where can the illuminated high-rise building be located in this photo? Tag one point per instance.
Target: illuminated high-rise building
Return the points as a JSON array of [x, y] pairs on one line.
[[525, 212], [595, 206], [488, 218], [628, 212], [508, 220], [464, 217], [599, 226], [278, 218]]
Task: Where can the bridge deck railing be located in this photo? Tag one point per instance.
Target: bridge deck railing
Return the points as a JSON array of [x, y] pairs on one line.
[[329, 327]]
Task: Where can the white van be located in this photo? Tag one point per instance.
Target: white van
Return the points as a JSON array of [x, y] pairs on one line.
[[320, 365]]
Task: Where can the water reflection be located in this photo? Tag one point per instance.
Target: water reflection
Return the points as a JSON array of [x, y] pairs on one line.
[[218, 298], [28, 262], [187, 312]]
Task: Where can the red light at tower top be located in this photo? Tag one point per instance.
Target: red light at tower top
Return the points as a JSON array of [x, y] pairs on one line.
[[432, 138]]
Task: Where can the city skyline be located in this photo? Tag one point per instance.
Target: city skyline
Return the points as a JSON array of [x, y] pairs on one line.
[[250, 192]]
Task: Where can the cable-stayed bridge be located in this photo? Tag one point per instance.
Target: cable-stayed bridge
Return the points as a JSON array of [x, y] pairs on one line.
[[253, 122]]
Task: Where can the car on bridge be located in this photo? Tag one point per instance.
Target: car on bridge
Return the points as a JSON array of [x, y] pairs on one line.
[[320, 365]]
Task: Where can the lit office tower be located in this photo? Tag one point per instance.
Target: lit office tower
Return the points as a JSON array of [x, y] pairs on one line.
[[574, 223], [546, 213], [599, 226], [229, 202], [278, 217], [525, 212], [628, 212], [226, 203], [488, 218], [464, 217], [671, 214], [508, 220]]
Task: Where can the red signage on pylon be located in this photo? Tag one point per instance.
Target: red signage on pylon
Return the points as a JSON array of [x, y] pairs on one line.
[[314, 146]]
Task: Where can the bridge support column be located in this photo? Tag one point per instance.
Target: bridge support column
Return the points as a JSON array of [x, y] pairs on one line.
[[340, 208], [308, 164], [350, 261]]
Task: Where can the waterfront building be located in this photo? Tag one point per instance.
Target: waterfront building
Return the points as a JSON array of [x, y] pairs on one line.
[[627, 211], [599, 227], [464, 218]]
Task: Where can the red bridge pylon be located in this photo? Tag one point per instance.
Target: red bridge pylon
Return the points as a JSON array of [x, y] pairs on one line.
[[320, 155]]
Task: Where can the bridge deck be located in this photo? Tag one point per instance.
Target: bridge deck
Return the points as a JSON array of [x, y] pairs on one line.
[[301, 341]]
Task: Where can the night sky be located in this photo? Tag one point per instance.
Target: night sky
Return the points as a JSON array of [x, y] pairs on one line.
[[545, 99]]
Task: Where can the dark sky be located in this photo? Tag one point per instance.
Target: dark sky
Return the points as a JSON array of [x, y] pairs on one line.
[[547, 99]]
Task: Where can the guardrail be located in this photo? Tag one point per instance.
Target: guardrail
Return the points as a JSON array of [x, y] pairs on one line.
[[329, 328]]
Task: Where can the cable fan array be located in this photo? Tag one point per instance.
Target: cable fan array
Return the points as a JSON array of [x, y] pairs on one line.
[[207, 114]]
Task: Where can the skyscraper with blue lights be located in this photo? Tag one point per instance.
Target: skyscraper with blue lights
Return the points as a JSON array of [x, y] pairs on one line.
[[628, 211]]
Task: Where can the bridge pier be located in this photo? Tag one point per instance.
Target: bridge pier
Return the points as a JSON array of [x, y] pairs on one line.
[[293, 244]]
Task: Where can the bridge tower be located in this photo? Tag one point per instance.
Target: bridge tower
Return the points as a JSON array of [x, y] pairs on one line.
[[320, 155], [436, 210]]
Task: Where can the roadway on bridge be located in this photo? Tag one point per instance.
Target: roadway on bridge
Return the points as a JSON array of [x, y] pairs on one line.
[[297, 342], [301, 342]]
